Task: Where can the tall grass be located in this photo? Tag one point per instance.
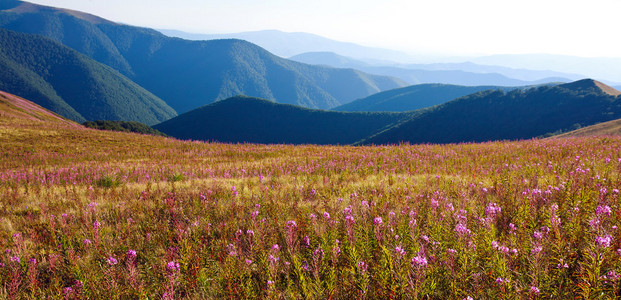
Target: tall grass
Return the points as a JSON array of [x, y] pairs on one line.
[[84, 216]]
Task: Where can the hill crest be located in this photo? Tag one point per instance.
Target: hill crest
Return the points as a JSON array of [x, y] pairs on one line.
[[15, 107], [591, 84]]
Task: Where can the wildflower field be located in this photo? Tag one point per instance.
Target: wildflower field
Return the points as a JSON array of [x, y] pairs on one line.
[[87, 214]]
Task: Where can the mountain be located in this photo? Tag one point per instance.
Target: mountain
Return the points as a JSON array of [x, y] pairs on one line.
[[515, 73], [245, 119], [287, 44], [189, 74], [604, 69], [414, 97], [71, 84], [435, 73], [518, 114]]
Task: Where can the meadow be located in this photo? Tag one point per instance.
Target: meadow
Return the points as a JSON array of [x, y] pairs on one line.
[[87, 214]]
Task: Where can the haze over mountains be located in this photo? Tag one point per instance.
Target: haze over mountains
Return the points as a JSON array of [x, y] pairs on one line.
[[447, 73]]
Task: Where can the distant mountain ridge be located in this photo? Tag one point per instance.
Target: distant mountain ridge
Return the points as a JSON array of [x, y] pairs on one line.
[[71, 84], [287, 44], [456, 74], [188, 74], [253, 120], [414, 97], [519, 114]]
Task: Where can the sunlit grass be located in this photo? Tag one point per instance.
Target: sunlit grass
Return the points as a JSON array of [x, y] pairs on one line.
[[92, 214]]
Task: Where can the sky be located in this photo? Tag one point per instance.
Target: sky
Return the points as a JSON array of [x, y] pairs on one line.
[[448, 27]]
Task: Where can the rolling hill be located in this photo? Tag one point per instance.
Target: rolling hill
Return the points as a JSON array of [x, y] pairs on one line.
[[71, 84], [606, 128], [15, 110], [518, 114], [245, 119], [451, 73], [189, 74], [414, 97]]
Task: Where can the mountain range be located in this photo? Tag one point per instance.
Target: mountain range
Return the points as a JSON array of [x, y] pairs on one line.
[[189, 74], [287, 44], [518, 114], [447, 73], [415, 97], [253, 120], [482, 116], [71, 84]]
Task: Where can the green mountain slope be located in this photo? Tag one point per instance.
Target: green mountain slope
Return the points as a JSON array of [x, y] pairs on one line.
[[414, 97], [189, 74], [71, 84], [246, 119], [519, 114]]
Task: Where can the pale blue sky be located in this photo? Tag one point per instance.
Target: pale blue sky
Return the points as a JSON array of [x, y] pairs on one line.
[[463, 27]]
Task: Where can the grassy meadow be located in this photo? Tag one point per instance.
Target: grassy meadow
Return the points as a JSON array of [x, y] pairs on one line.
[[87, 214]]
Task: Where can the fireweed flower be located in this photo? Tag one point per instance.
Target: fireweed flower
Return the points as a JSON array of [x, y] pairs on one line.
[[111, 261], [291, 225], [603, 210], [14, 258], [534, 290], [399, 251], [326, 215], [377, 221], [96, 225], [362, 266], [603, 241], [419, 261], [172, 266], [131, 254]]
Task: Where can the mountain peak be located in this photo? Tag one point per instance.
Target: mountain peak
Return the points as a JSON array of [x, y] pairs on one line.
[[591, 84], [27, 7]]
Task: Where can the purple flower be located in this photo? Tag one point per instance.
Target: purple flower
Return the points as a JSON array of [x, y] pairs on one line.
[[534, 290], [419, 261], [172, 266], [603, 210], [275, 247], [318, 252], [603, 241], [499, 280], [68, 291], [131, 254], [248, 262], [291, 225], [111, 261], [326, 215], [492, 210], [14, 258], [377, 221], [306, 240], [96, 225], [538, 235], [400, 252], [362, 266]]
